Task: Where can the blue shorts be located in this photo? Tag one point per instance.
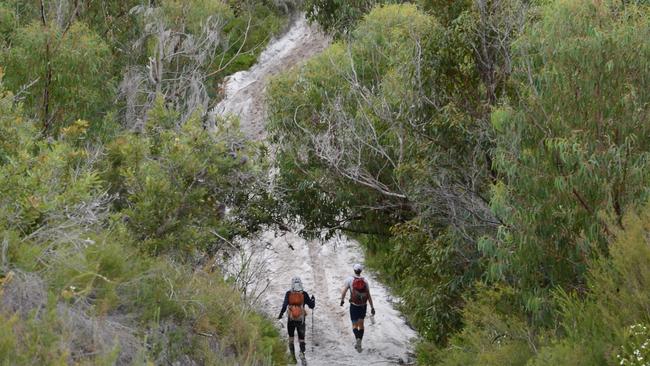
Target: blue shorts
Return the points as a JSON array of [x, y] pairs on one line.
[[357, 312]]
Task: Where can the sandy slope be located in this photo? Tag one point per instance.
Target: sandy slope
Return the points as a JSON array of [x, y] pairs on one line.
[[323, 268], [274, 258], [244, 90]]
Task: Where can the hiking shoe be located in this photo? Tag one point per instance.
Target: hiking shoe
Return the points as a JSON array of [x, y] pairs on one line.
[[292, 359], [303, 360], [358, 345]]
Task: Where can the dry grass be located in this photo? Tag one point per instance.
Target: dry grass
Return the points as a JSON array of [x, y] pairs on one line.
[[85, 336], [91, 336], [22, 293]]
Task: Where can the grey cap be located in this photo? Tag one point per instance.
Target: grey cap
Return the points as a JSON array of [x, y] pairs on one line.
[[296, 284]]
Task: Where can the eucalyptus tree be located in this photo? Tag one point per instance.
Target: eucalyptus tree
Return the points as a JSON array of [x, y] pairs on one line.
[[61, 74], [573, 146], [338, 17], [61, 56]]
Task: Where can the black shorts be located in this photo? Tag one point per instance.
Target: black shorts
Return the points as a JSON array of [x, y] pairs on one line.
[[292, 325], [357, 312]]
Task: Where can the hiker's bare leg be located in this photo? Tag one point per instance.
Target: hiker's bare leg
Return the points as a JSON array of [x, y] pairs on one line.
[[357, 329], [358, 324]]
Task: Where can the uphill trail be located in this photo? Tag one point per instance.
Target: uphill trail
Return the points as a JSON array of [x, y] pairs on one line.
[[276, 257]]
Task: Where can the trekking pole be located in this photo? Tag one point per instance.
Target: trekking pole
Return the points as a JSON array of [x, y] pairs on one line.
[[312, 330]]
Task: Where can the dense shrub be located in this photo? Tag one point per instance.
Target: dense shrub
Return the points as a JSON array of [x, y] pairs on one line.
[[68, 66], [564, 164], [608, 326], [338, 16]]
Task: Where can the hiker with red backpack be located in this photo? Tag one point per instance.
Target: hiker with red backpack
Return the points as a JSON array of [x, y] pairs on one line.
[[294, 303], [359, 298]]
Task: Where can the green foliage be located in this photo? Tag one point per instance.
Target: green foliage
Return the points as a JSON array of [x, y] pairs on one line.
[[181, 14], [392, 134], [65, 59], [536, 205], [66, 71], [247, 26], [339, 17], [445, 10], [97, 271], [565, 164], [430, 275], [186, 49], [604, 327], [103, 229], [494, 333], [616, 300], [113, 21], [572, 254], [34, 341], [15, 131], [176, 183], [321, 98], [564, 353], [7, 21], [39, 180]]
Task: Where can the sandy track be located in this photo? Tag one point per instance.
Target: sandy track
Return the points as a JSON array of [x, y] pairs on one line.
[[323, 268], [244, 90]]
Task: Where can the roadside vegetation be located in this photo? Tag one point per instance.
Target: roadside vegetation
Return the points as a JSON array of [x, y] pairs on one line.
[[114, 183]]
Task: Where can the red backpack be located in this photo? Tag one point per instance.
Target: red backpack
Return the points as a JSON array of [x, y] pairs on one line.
[[296, 305], [359, 293]]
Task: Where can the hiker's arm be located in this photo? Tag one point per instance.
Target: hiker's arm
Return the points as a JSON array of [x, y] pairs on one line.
[[308, 300], [343, 292], [284, 305]]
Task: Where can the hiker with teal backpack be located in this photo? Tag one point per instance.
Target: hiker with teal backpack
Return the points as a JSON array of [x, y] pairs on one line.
[[294, 304], [359, 299]]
